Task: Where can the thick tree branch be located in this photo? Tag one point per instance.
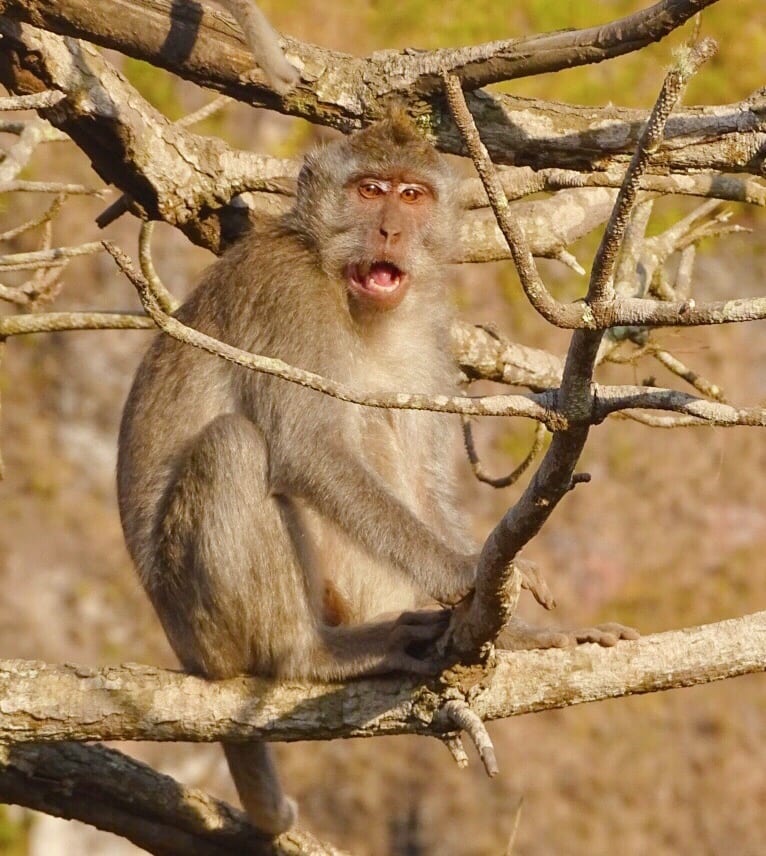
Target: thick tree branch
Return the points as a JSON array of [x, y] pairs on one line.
[[346, 92], [45, 703], [118, 794], [183, 39]]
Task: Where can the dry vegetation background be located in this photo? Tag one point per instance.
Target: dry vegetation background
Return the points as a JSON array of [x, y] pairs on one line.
[[671, 531]]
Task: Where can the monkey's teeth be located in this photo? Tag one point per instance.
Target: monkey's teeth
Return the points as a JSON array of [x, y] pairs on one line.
[[382, 276]]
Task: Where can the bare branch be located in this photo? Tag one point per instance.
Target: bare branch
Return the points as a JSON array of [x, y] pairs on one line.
[[533, 406], [118, 794], [35, 101], [454, 744], [609, 399], [212, 36], [701, 384], [47, 215], [481, 353], [601, 287], [480, 623], [165, 299], [56, 322], [518, 182], [511, 478], [46, 703], [19, 154], [48, 258], [539, 296]]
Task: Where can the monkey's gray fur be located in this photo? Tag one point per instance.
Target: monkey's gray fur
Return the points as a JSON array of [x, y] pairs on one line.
[[272, 525]]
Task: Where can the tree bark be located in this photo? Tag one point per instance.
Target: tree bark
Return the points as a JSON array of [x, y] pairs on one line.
[[44, 703]]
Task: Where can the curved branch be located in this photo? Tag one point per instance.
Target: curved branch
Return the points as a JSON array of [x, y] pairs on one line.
[[116, 793], [534, 405]]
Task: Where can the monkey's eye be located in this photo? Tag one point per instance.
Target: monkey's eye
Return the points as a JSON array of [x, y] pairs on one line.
[[411, 194], [370, 190]]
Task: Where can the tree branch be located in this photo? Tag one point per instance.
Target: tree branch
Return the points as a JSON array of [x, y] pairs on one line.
[[118, 794], [49, 703], [346, 92], [184, 39]]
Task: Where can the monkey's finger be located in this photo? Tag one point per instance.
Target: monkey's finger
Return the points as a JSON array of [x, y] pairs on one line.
[[405, 634], [435, 615], [593, 634], [621, 631], [532, 580]]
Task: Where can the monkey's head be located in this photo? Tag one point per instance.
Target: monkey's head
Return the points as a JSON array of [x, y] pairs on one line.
[[379, 210]]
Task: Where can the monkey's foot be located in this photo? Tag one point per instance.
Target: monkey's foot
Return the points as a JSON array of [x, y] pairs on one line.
[[520, 636], [281, 821], [409, 641]]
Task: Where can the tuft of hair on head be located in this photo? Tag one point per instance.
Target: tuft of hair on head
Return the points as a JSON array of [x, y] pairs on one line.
[[394, 139]]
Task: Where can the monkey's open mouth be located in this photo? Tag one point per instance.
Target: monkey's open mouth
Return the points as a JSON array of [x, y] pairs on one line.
[[378, 281]]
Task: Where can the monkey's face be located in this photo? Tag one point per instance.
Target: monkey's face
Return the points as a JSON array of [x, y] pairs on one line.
[[379, 211], [389, 219]]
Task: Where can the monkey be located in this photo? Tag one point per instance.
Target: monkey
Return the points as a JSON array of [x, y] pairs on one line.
[[279, 531], [263, 42]]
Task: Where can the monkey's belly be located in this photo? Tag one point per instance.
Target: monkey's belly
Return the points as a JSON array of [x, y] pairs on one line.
[[355, 587]]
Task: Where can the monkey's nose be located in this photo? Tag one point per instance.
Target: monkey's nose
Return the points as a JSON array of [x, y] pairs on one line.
[[390, 234]]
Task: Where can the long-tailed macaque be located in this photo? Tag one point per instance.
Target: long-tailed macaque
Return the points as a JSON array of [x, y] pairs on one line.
[[271, 525], [277, 529]]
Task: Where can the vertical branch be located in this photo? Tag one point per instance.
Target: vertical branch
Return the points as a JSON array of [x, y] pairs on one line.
[[601, 283], [483, 618]]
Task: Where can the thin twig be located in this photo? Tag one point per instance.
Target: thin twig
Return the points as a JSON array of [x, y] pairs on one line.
[[454, 744], [47, 215], [20, 186], [700, 383], [167, 302], [205, 111], [48, 258], [601, 286], [514, 828], [511, 478]]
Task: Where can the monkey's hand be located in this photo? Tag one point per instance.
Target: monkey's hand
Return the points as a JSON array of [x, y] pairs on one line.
[[459, 583], [518, 636], [408, 643]]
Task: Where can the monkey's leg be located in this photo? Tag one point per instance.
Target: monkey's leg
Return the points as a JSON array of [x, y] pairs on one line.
[[229, 588], [235, 593]]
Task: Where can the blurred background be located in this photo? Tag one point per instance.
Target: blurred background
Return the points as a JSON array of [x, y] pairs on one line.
[[671, 532]]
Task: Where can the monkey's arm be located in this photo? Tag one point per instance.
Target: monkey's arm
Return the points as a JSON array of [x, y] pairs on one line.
[[341, 486]]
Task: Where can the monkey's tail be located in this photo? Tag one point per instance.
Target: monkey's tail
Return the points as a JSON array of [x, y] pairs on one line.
[[260, 791]]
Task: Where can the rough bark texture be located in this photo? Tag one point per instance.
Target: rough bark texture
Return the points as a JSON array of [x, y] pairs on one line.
[[41, 702], [118, 794]]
